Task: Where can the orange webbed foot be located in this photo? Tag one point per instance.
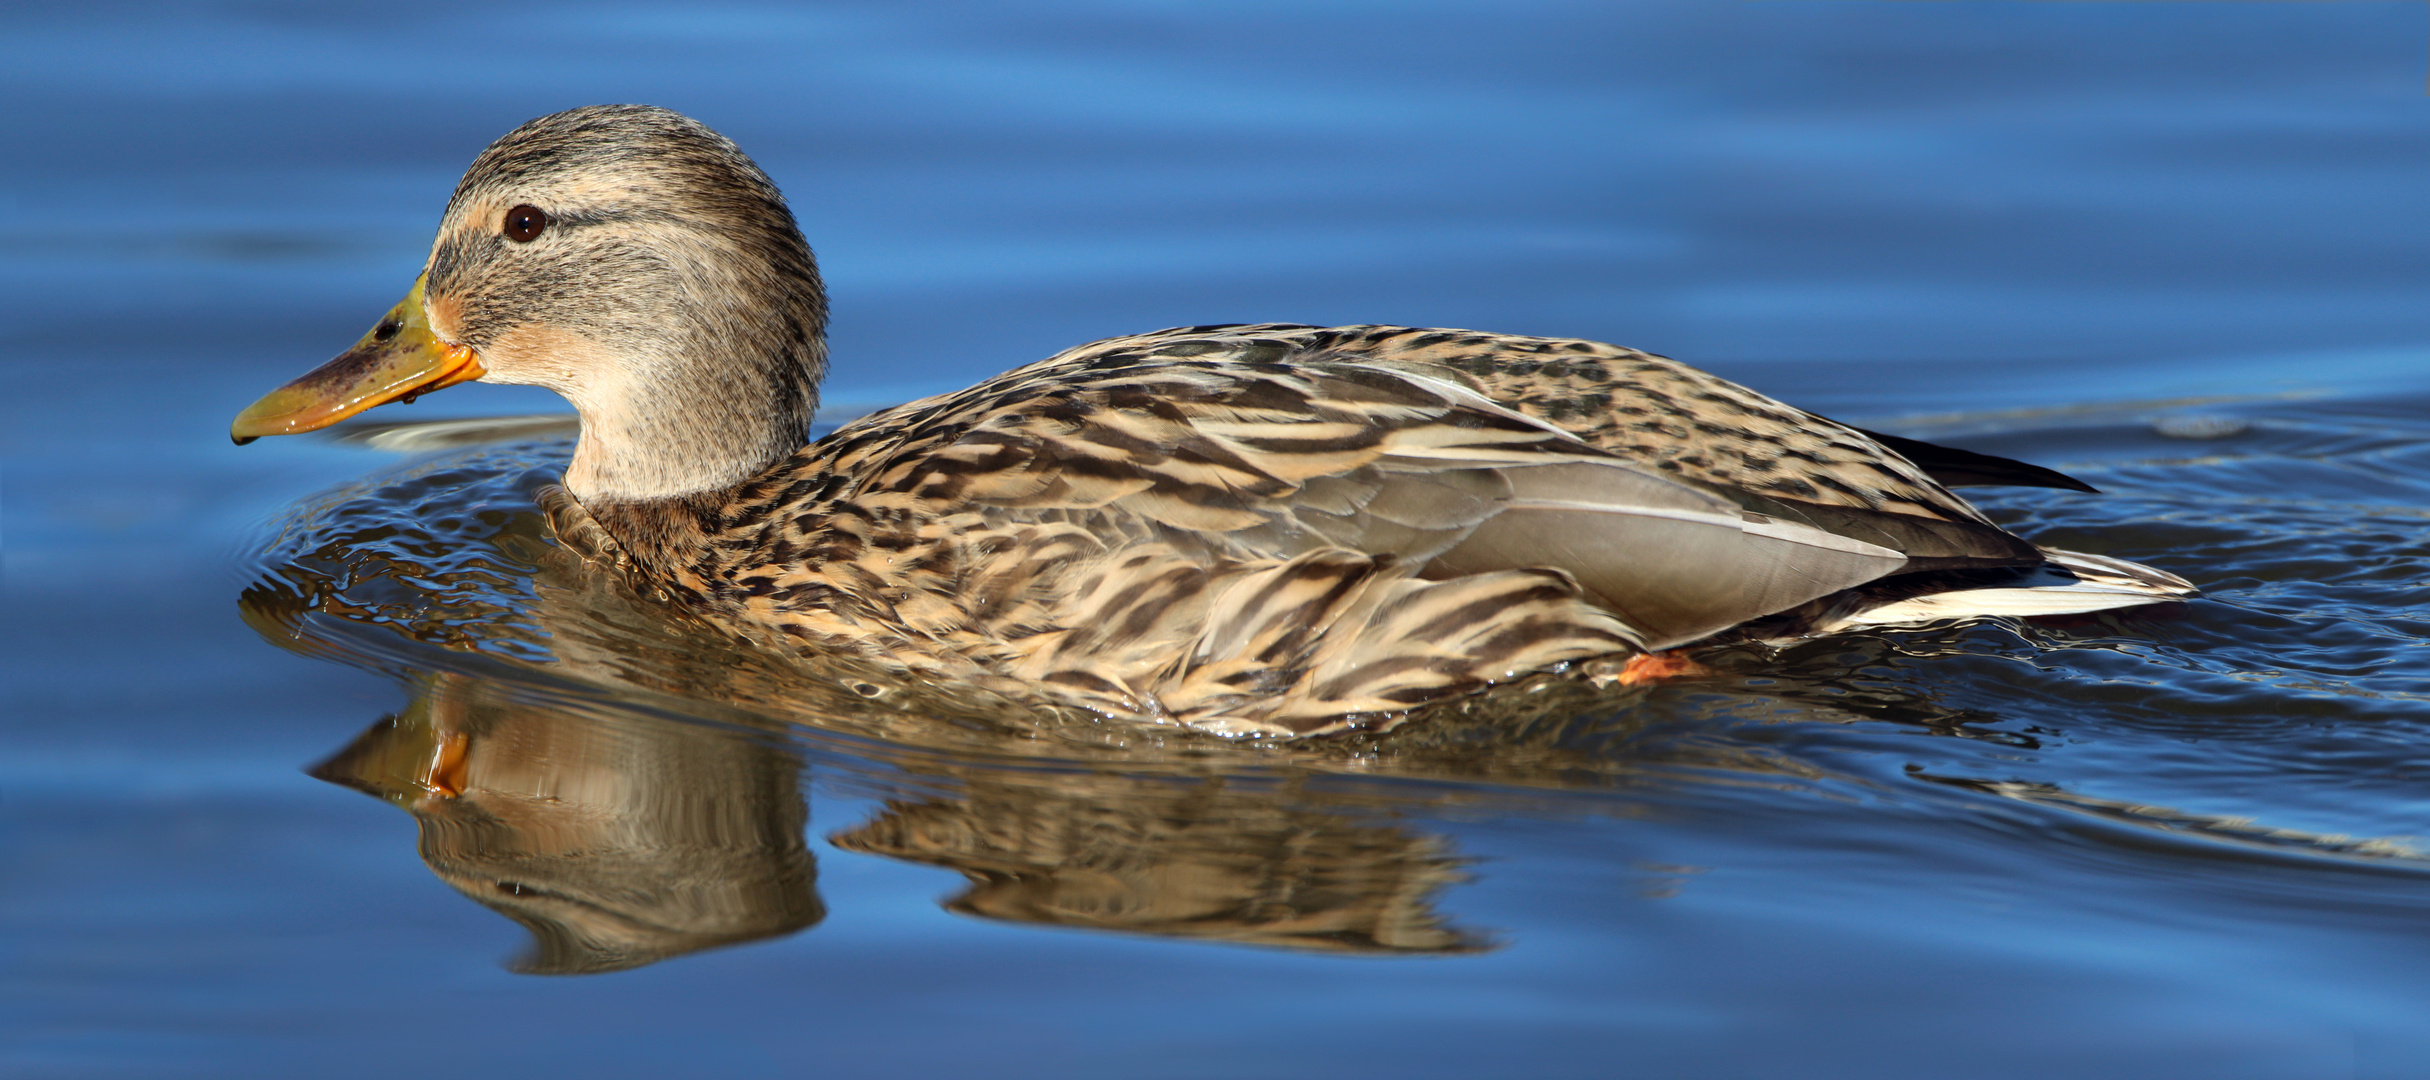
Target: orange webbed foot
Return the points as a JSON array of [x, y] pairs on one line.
[[1649, 667]]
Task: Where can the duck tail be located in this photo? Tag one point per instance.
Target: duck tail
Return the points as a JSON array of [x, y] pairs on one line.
[[2067, 583]]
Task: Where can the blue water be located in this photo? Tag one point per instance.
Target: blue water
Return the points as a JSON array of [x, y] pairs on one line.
[[2174, 248]]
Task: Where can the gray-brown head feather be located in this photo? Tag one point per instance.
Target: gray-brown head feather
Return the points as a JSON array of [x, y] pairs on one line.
[[670, 297]]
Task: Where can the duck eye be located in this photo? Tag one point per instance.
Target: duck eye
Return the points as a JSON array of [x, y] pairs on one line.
[[523, 223]]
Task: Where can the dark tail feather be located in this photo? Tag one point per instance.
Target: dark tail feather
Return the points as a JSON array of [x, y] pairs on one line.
[[1965, 468]]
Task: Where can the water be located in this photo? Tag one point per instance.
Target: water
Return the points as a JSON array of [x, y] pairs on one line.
[[2172, 248]]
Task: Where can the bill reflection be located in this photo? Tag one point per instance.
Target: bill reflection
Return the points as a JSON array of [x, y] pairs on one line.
[[616, 842]]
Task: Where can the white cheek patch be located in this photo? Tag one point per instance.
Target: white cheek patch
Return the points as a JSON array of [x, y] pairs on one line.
[[538, 355]]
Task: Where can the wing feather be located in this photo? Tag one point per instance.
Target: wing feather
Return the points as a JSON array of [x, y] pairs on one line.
[[1324, 522]]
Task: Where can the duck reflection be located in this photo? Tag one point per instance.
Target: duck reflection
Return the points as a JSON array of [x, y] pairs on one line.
[[616, 843], [620, 839], [1206, 860]]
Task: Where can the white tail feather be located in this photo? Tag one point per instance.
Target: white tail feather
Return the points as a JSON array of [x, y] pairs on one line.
[[2073, 583]]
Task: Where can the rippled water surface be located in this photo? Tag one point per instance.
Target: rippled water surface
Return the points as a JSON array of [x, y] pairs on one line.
[[2174, 249]]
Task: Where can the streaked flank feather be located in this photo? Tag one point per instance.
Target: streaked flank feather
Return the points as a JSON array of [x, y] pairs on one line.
[[1264, 529]]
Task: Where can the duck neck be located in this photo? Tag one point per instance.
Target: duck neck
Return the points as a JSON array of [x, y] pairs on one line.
[[668, 430]]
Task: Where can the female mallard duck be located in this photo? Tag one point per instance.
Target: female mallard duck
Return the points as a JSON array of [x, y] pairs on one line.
[[1267, 529]]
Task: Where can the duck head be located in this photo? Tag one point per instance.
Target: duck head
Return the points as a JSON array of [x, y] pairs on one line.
[[633, 261]]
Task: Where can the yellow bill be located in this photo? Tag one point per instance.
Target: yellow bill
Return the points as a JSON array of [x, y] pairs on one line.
[[399, 358]]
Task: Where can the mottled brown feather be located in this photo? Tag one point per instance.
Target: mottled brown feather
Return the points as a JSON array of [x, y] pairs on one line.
[[1160, 528]]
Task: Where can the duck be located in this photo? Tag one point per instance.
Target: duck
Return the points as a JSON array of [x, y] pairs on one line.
[[1265, 530]]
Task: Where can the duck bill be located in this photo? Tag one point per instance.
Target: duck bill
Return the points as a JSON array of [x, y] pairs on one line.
[[399, 359]]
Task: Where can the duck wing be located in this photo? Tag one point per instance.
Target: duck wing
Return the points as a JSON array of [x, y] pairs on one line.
[[1769, 457], [1269, 443]]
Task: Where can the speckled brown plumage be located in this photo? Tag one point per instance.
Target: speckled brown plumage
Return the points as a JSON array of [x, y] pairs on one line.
[[1249, 528], [1267, 529]]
